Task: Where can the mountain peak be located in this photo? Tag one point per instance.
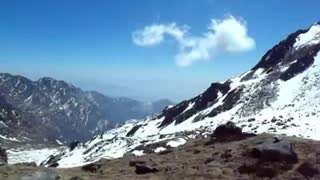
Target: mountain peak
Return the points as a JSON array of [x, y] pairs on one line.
[[309, 38]]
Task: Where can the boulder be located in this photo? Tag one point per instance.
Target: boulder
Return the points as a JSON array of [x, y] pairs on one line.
[[227, 129], [276, 150], [228, 132]]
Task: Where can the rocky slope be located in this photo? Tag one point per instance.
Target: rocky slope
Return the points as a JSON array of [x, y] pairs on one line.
[[279, 95], [226, 154], [60, 110], [15, 127]]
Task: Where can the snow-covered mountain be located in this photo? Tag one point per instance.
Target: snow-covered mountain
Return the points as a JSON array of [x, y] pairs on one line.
[[14, 128], [56, 110], [280, 95]]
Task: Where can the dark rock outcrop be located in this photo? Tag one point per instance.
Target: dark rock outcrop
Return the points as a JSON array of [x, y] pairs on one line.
[[76, 178], [278, 52], [91, 167], [73, 145], [178, 113], [3, 157], [133, 130], [144, 169], [54, 165], [228, 132]]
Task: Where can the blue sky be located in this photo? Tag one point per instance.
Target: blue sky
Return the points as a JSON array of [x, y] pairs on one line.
[[90, 43]]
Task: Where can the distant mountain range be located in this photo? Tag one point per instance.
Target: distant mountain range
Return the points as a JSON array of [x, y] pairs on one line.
[[50, 110]]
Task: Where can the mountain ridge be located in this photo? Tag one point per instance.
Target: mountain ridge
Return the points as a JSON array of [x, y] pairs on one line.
[[65, 111]]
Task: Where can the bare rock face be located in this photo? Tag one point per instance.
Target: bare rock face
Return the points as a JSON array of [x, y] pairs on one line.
[[3, 157]]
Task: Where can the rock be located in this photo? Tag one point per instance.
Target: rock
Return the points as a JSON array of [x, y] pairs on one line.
[[52, 161], [277, 150], [227, 129], [167, 151], [54, 165], [3, 157], [307, 170], [144, 169], [133, 130], [91, 167], [228, 132], [215, 164], [196, 151]]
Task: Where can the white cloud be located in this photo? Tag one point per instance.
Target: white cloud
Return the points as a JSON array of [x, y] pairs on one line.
[[228, 35], [154, 34]]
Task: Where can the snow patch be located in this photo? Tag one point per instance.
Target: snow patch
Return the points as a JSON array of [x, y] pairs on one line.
[[29, 155], [138, 152], [309, 38], [190, 106], [159, 149], [176, 143], [9, 138], [59, 142]]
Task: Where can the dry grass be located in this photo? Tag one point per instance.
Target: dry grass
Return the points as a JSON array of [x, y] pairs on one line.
[[193, 161]]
